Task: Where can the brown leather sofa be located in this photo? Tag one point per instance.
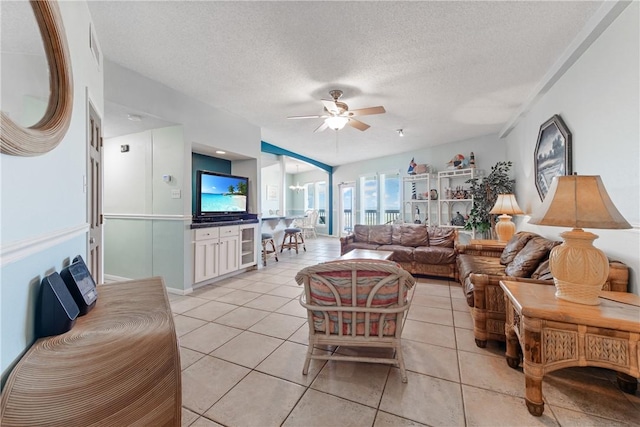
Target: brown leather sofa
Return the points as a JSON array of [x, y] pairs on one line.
[[417, 248], [525, 258]]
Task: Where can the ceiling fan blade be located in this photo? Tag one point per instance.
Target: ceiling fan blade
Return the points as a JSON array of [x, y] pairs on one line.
[[322, 127], [358, 124], [331, 106], [367, 111], [305, 117]]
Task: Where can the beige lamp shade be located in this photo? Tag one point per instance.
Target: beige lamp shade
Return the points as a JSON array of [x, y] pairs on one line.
[[506, 205], [578, 201], [579, 269]]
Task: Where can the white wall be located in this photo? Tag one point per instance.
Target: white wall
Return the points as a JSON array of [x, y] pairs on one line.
[[43, 202], [144, 223], [598, 99]]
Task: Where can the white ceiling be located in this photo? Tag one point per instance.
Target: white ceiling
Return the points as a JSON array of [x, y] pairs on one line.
[[444, 71]]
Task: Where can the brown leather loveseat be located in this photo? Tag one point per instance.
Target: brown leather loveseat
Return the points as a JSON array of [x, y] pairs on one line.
[[417, 248], [525, 258]]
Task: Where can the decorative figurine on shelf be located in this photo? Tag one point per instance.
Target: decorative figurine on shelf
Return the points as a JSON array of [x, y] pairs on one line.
[[433, 194], [457, 220], [417, 216], [458, 162], [412, 166], [411, 171], [472, 161]]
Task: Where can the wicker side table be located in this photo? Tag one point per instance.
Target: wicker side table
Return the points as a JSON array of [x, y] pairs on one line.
[[555, 334]]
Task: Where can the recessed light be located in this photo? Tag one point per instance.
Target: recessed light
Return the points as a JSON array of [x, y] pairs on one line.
[[220, 152], [134, 117]]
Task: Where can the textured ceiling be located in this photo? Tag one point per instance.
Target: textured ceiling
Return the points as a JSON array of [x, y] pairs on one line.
[[444, 71]]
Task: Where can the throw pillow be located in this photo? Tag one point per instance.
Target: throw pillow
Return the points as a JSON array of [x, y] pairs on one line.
[[528, 259], [543, 272], [514, 246]]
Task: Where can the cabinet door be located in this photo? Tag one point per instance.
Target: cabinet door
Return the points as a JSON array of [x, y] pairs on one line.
[[247, 246], [205, 260], [229, 254]]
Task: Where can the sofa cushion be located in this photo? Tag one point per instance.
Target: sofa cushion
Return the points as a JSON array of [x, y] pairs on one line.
[[361, 233], [400, 253], [412, 235], [515, 245], [380, 234], [543, 272], [527, 260], [468, 264], [442, 237], [434, 255]]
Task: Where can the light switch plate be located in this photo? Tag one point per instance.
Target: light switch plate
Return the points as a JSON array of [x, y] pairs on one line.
[[175, 194]]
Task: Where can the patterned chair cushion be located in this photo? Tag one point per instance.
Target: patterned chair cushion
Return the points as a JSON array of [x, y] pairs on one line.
[[385, 297]]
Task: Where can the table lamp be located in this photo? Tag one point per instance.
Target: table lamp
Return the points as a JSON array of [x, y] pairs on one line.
[[506, 206], [579, 269]]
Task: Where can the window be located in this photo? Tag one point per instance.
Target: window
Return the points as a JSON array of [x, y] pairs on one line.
[[315, 198], [369, 200], [390, 187]]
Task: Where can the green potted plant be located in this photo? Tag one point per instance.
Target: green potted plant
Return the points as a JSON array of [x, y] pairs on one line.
[[485, 192]]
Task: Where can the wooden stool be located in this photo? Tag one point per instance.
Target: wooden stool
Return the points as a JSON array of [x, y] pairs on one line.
[[266, 239], [295, 237]]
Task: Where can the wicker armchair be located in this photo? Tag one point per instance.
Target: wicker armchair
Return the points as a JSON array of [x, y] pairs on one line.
[[374, 293]]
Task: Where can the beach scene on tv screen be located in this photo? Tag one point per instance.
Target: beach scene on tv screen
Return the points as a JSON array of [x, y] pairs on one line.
[[223, 194]]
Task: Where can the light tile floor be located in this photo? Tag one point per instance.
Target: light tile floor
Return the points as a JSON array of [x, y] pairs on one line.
[[243, 343]]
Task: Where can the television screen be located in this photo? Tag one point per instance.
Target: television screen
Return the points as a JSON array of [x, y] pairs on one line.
[[220, 194]]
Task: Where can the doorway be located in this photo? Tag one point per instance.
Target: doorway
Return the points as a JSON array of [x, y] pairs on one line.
[[94, 194]]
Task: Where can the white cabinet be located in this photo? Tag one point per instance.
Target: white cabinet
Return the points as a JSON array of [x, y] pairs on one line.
[[205, 254], [222, 250], [418, 199], [455, 199], [228, 254]]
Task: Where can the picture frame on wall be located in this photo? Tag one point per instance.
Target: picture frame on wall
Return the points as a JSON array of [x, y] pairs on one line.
[[552, 155], [272, 192]]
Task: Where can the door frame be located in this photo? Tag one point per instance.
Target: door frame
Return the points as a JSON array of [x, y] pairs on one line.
[[92, 111], [341, 187]]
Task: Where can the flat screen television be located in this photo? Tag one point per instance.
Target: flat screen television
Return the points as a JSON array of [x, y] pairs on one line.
[[219, 195]]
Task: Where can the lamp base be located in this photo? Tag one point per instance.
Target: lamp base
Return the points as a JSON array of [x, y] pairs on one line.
[[579, 269], [505, 229]]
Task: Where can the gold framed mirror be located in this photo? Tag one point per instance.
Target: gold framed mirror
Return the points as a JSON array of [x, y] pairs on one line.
[[47, 133]]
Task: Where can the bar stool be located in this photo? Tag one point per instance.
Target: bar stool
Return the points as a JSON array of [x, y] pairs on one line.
[[295, 237], [266, 239]]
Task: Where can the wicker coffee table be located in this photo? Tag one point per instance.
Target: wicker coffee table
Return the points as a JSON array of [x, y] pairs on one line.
[[366, 254], [555, 334]]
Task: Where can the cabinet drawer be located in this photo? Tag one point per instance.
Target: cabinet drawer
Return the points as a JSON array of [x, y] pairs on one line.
[[207, 233], [231, 230]]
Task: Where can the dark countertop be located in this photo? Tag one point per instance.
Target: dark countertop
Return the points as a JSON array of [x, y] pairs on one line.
[[223, 223]]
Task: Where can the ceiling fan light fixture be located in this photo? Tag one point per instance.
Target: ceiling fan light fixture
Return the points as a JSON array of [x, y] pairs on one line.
[[336, 122]]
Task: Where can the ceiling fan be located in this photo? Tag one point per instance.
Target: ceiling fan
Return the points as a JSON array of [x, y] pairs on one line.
[[337, 114]]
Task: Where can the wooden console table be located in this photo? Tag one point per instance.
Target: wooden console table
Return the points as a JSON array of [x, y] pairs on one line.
[[119, 365], [555, 334]]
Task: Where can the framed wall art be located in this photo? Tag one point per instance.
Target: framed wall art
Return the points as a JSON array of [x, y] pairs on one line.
[[553, 153], [272, 192]]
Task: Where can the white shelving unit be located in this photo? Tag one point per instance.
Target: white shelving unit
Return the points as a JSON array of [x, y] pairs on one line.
[[454, 196], [423, 204]]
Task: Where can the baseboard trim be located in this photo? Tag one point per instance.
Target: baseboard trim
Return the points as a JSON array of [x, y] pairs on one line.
[[112, 278], [21, 249]]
